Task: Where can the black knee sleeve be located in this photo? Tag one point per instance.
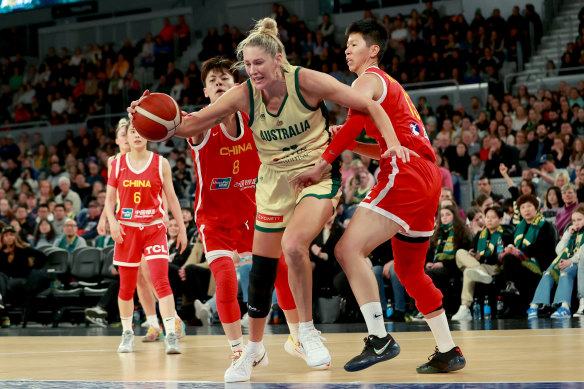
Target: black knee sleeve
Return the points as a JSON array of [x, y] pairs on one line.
[[262, 277]]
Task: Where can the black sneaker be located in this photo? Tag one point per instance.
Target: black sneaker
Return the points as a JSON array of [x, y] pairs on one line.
[[376, 350], [443, 362]]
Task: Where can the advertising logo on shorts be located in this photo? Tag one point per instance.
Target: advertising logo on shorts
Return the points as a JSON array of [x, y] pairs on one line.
[[127, 213], [270, 218], [220, 183]]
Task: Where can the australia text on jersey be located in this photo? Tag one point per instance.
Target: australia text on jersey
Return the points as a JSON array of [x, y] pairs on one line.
[[284, 133]]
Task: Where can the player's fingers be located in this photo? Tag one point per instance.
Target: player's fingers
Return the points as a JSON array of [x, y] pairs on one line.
[[122, 232]]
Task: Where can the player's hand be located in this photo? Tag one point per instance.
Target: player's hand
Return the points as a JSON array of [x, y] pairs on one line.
[[181, 240], [334, 130], [400, 152], [116, 231], [101, 225], [309, 177], [132, 108]]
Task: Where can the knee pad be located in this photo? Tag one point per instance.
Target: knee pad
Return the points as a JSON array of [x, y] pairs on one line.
[[159, 276], [410, 257], [128, 280], [226, 290], [285, 298], [261, 285]]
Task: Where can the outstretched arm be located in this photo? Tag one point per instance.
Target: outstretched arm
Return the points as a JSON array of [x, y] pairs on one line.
[[235, 99], [370, 150], [359, 98]]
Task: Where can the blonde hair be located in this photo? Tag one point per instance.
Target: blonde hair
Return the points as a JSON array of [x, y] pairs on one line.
[[263, 35], [123, 124]]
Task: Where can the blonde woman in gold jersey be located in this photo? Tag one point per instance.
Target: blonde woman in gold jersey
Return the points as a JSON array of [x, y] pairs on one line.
[[290, 128]]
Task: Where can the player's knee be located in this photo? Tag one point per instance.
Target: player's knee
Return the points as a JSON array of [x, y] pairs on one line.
[[295, 250], [126, 292], [261, 285], [341, 251], [162, 287], [225, 278]]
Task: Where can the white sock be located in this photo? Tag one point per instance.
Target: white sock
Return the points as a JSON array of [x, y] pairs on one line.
[[176, 316], [566, 305], [254, 347], [293, 327], [168, 324], [533, 306], [127, 324], [441, 332], [306, 326], [236, 344], [374, 319], [153, 321]]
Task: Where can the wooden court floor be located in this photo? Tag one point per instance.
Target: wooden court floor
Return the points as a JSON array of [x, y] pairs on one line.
[[550, 355]]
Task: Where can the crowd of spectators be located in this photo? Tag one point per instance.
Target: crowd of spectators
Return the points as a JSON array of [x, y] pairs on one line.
[[69, 87], [54, 194]]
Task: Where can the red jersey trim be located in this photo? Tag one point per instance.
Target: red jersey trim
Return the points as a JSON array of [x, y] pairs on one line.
[[383, 82]]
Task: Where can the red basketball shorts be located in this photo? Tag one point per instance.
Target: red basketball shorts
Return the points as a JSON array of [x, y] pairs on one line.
[[149, 241], [222, 242], [407, 193]]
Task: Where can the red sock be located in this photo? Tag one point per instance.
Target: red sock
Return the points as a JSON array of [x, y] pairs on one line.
[[226, 290], [285, 298]]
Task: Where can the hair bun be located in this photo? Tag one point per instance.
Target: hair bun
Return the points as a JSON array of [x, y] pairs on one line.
[[268, 26]]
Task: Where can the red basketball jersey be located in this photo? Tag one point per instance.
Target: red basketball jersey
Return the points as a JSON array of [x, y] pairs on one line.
[[140, 192], [404, 117], [226, 170]]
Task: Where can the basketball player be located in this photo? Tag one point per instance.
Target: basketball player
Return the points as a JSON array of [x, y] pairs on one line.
[[401, 206], [289, 123], [141, 178], [226, 167], [144, 287]]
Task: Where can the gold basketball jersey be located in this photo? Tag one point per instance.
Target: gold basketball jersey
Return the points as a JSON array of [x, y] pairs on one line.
[[296, 135]]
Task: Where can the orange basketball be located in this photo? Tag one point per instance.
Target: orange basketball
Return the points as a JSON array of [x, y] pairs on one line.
[[157, 117]]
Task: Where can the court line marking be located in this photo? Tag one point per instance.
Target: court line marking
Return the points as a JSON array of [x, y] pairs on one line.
[[192, 347]]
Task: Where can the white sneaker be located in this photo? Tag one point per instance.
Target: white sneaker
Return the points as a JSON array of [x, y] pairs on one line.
[[245, 321], [203, 313], [171, 342], [479, 274], [242, 365], [580, 311], [317, 355], [463, 314], [127, 344], [294, 348]]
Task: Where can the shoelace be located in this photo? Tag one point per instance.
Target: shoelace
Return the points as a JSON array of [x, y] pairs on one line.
[[235, 356], [313, 341], [436, 352]]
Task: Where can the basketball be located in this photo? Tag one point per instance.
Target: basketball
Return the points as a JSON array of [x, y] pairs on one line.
[[157, 117]]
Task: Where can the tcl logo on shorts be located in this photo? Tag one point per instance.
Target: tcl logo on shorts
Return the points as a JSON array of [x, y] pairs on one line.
[[270, 218], [156, 249]]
